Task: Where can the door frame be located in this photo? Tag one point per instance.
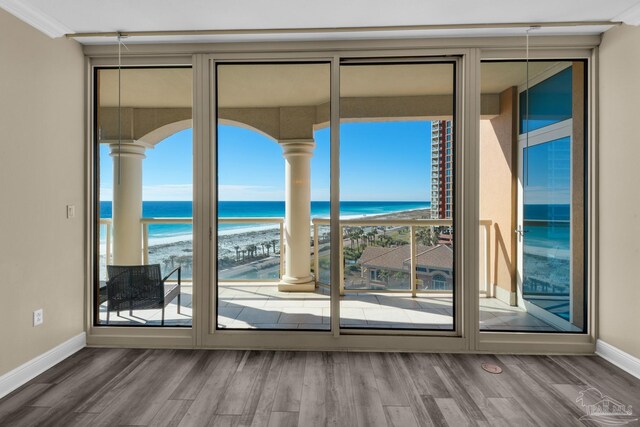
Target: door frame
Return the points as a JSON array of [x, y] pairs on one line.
[[337, 337], [544, 135]]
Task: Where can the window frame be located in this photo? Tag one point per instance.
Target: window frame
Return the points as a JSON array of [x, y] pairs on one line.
[[470, 51]]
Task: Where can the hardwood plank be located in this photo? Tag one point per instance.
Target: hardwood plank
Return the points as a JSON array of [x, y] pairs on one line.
[[110, 378], [314, 390], [535, 400], [225, 421], [266, 390], [283, 419], [171, 413], [193, 382], [452, 412], [339, 398], [25, 416], [435, 415], [241, 384], [400, 416], [139, 396], [425, 378], [24, 396], [369, 411], [203, 409], [451, 379], [417, 402], [84, 375], [511, 411], [387, 379], [478, 384], [289, 390]]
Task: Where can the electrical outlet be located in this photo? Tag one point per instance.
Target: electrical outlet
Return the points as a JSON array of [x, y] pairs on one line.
[[71, 211], [38, 317]]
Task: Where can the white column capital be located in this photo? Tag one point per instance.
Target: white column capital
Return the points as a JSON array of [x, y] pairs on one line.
[[297, 147], [128, 149]]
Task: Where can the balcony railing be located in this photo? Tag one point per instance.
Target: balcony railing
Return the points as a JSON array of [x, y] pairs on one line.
[[411, 224]]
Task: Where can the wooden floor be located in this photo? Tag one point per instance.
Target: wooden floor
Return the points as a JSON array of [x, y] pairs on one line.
[[117, 387]]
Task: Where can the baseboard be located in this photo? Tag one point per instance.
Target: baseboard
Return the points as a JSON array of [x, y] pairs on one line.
[[26, 372], [621, 359], [504, 295]]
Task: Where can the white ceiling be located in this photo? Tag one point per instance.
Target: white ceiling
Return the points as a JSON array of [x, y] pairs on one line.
[[56, 18]]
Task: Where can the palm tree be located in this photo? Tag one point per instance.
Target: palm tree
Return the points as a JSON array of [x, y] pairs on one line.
[[435, 237], [243, 252], [237, 248], [273, 242], [357, 234], [268, 246]]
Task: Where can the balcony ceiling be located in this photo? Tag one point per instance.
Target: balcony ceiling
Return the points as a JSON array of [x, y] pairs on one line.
[[256, 86], [56, 18]]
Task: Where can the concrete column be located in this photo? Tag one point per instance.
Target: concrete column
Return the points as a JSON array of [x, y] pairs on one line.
[[127, 203], [297, 223]]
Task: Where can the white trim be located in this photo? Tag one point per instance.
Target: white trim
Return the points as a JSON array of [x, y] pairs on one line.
[[36, 18], [504, 295], [631, 16], [26, 372], [621, 359], [548, 133]]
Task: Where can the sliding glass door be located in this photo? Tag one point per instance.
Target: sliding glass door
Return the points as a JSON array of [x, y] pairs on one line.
[[143, 274], [272, 188], [397, 180]]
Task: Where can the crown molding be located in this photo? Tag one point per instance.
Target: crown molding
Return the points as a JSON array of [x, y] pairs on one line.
[[631, 16], [36, 18]]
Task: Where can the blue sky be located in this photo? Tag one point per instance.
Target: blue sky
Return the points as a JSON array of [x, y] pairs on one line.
[[379, 161]]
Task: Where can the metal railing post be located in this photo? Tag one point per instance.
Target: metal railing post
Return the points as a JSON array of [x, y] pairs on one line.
[[145, 243], [487, 265], [414, 271], [341, 261], [281, 249], [316, 250], [108, 244]]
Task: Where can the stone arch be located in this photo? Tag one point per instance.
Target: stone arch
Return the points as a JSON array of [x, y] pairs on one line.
[[243, 125], [163, 132]]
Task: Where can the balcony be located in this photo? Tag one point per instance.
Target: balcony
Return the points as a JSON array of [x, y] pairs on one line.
[[371, 296]]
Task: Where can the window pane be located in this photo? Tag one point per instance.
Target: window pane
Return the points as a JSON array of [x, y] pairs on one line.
[[549, 102], [532, 221], [272, 189], [145, 170], [396, 157]]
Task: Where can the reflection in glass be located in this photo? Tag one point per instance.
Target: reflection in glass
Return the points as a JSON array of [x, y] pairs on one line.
[[532, 231], [547, 225], [549, 102]]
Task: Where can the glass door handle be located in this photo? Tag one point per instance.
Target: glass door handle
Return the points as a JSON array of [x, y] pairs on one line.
[[520, 232]]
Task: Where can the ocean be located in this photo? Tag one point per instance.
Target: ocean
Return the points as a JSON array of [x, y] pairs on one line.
[[166, 233]]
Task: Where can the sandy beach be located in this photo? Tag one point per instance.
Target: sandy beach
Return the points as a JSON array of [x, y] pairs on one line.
[[231, 246]]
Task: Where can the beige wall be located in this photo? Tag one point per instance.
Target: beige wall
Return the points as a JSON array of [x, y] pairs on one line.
[[619, 145], [497, 190], [41, 171]]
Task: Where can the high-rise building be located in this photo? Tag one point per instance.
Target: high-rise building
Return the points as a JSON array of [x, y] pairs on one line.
[[441, 169]]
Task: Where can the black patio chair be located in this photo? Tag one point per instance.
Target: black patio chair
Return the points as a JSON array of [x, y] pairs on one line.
[[137, 287]]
